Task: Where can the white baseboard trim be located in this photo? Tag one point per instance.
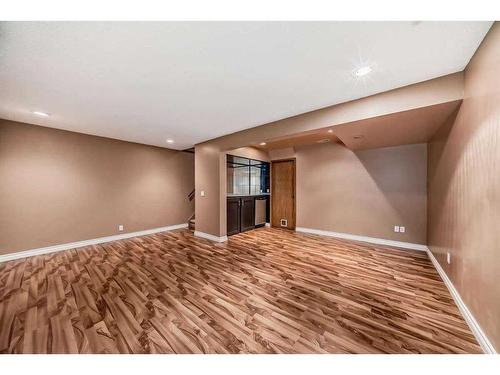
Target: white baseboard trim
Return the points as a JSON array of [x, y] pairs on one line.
[[469, 318], [78, 244], [210, 237], [353, 237]]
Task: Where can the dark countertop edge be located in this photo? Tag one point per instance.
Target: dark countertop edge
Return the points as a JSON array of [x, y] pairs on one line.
[[248, 195]]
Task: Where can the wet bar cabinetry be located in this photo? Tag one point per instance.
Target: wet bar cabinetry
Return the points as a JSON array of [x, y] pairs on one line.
[[247, 182], [241, 213]]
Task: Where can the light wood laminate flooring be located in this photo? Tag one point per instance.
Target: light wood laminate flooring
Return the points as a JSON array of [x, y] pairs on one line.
[[264, 291]]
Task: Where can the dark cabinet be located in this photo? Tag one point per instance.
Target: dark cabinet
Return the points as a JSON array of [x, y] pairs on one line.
[[241, 213], [233, 216], [247, 214]]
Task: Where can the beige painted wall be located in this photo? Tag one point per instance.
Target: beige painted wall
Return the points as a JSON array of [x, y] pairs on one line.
[[250, 153], [340, 190], [364, 192], [464, 190], [209, 172], [282, 153], [59, 186]]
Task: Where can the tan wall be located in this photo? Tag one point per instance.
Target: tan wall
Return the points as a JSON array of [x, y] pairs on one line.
[[209, 177], [58, 186], [250, 153], [340, 190], [364, 192], [209, 158], [464, 190], [282, 153]]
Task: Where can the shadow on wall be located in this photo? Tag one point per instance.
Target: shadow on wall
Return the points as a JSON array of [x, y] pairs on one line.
[[463, 184], [396, 169], [464, 205], [400, 174], [364, 193]]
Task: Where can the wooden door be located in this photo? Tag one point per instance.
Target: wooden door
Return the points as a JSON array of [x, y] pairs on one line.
[[247, 213], [233, 216], [283, 194]]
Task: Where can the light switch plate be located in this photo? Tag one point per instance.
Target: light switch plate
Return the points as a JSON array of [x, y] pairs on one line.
[[120, 228], [202, 193], [396, 228], [402, 229], [448, 258]]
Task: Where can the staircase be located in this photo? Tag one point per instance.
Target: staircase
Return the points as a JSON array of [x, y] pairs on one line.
[[191, 222]]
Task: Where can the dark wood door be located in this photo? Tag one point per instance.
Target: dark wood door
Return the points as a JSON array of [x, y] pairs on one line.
[[247, 213], [283, 194], [233, 216]]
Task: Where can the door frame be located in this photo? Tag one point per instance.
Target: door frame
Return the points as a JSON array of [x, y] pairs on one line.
[[294, 160]]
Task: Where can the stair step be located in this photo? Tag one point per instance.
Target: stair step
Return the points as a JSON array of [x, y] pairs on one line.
[[191, 223]]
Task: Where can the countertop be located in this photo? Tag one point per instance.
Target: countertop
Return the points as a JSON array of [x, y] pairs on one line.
[[247, 195]]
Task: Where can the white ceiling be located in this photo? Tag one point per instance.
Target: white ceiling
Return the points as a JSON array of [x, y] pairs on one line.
[[193, 81]]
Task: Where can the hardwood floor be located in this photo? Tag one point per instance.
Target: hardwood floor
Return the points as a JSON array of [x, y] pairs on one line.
[[265, 291]]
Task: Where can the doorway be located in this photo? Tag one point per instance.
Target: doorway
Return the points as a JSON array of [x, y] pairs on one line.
[[283, 193]]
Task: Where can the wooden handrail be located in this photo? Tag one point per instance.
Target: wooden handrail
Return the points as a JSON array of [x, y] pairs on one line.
[[191, 195]]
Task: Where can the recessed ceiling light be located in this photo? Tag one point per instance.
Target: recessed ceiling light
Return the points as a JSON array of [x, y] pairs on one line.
[[363, 71], [41, 114], [262, 143], [330, 131], [170, 141]]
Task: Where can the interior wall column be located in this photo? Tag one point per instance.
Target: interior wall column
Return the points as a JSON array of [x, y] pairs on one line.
[[210, 180]]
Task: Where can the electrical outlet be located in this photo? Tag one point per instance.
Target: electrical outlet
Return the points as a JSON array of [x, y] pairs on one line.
[[402, 229], [448, 258], [396, 228], [202, 193], [120, 228]]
